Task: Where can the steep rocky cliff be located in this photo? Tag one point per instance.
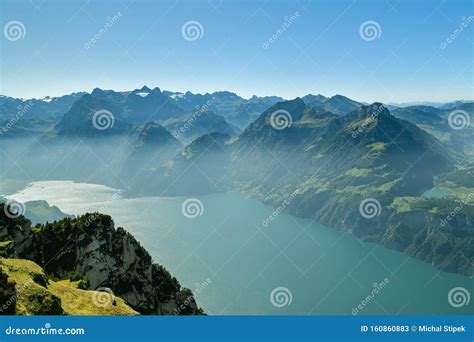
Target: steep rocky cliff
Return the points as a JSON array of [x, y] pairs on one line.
[[89, 246]]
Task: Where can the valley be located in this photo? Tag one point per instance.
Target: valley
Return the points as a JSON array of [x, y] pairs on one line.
[[311, 164]]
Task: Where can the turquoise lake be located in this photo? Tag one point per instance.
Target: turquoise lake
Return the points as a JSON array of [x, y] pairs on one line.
[[233, 262]]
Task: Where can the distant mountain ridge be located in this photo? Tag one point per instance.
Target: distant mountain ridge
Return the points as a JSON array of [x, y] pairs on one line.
[[441, 105], [47, 107], [145, 104], [80, 120], [436, 121], [337, 104]]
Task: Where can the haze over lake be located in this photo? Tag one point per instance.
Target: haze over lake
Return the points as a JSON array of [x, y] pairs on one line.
[[233, 262]]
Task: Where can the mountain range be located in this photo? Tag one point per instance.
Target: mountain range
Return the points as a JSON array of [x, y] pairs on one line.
[[140, 106], [318, 157], [333, 152]]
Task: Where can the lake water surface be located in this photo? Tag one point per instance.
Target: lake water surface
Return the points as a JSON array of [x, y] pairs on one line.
[[233, 262]]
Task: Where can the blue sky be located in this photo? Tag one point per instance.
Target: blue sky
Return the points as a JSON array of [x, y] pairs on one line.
[[320, 51]]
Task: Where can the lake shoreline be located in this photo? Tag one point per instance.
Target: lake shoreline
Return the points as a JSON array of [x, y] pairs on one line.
[[209, 247]]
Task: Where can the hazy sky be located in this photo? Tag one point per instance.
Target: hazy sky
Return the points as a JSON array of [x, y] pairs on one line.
[[322, 49]]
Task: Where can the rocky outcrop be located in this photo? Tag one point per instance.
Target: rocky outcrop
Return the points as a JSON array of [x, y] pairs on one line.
[[32, 292], [107, 257]]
